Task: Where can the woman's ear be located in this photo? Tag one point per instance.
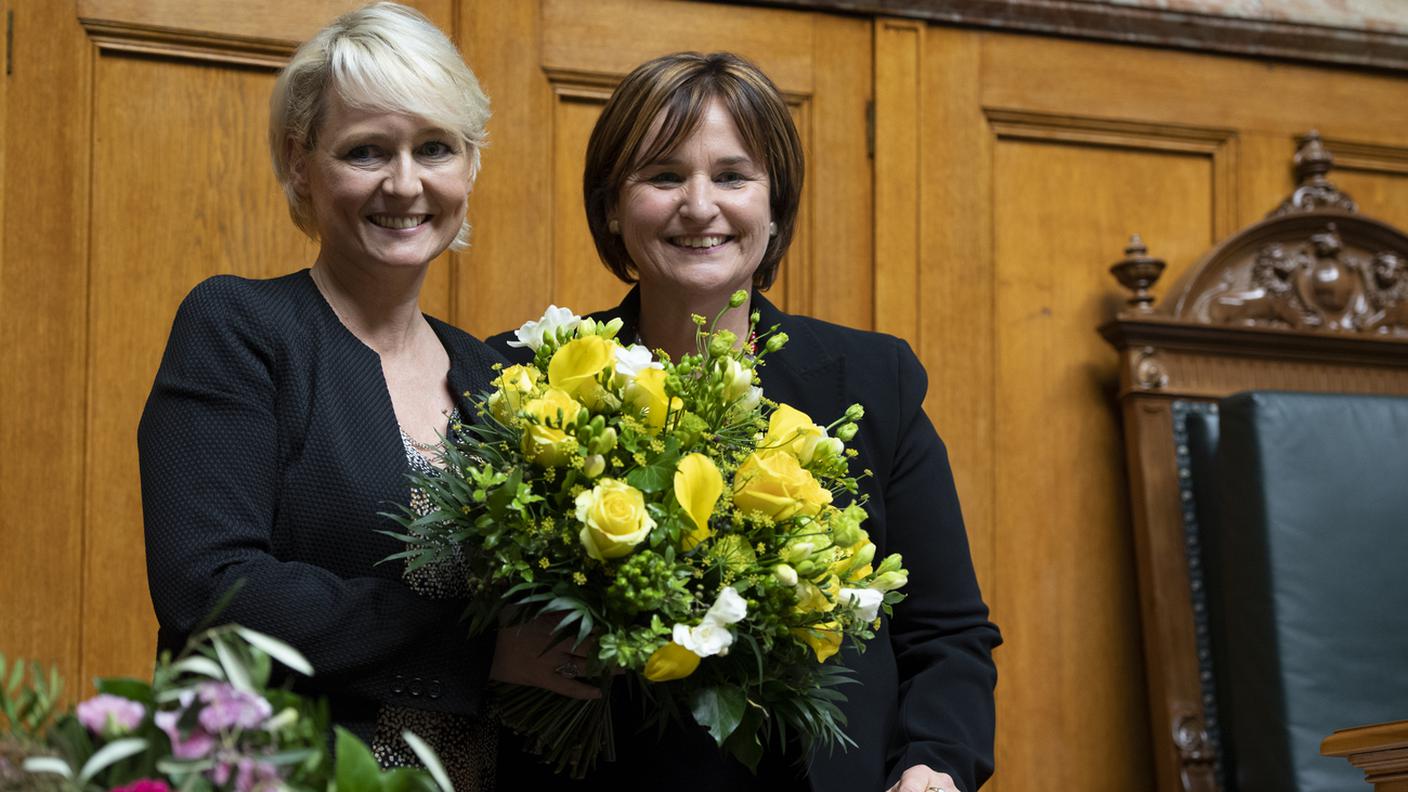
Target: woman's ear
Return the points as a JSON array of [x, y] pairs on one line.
[[297, 158]]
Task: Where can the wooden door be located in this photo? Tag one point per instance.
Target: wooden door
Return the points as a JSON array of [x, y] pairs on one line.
[[549, 67], [1036, 158]]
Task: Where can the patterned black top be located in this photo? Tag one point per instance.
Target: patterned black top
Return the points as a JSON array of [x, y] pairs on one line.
[[268, 449]]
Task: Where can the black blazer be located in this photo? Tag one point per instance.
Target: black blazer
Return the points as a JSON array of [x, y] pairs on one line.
[[927, 680], [268, 447]]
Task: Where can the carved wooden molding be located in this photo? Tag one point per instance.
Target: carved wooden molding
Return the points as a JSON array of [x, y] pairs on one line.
[[188, 44], [1145, 26], [261, 33], [1314, 265]]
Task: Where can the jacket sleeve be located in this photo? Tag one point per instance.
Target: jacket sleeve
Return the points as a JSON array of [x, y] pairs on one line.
[[941, 635], [210, 467]]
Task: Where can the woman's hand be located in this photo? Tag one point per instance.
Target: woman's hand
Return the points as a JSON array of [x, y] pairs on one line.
[[526, 654], [923, 778]]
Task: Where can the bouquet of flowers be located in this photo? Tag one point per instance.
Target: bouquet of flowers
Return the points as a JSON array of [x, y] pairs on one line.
[[679, 528], [208, 722]]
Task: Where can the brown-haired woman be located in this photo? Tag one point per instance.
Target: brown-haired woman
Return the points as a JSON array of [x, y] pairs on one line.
[[692, 183]]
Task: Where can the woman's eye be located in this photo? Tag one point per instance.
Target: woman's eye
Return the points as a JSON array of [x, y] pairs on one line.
[[360, 154], [436, 150], [730, 177], [665, 177]]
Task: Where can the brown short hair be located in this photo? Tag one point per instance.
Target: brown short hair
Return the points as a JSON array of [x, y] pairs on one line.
[[678, 88]]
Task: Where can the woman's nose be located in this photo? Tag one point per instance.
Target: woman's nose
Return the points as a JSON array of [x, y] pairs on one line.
[[403, 176], [699, 201]]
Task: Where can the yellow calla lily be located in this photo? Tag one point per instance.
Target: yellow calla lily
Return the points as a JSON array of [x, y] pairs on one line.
[[575, 366], [824, 639], [670, 661], [698, 485]]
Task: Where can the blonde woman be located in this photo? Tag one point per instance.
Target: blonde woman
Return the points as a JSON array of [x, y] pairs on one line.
[[287, 412]]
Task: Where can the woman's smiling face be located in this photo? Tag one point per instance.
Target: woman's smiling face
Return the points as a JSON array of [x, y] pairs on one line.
[[698, 218], [385, 188]]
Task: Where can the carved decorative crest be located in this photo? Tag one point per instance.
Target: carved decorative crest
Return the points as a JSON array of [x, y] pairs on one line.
[[1313, 163], [1314, 265]]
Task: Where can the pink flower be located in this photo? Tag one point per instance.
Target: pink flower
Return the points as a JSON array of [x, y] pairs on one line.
[[227, 707], [197, 744], [144, 785], [110, 715]]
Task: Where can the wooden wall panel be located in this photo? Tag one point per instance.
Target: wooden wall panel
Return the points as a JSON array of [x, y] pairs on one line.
[[208, 208], [533, 245], [1066, 572], [44, 330]]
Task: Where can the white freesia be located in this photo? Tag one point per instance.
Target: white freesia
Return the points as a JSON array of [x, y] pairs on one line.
[[711, 637], [531, 334], [729, 608], [738, 380], [632, 360], [865, 602]]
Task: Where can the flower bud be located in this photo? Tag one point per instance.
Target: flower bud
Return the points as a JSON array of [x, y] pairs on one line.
[[846, 432], [613, 327], [890, 564], [776, 341], [594, 466], [721, 343], [785, 575], [797, 551], [855, 412], [890, 581], [737, 298]]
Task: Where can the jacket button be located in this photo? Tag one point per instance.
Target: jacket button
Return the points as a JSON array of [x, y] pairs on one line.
[[417, 687], [398, 684], [434, 689]]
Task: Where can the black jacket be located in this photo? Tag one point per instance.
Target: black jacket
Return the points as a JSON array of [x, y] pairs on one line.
[[927, 680], [268, 448]]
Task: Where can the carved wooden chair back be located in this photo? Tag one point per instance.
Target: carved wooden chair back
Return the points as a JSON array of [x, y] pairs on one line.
[[1312, 298]]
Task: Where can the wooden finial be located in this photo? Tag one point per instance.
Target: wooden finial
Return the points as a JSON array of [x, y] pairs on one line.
[[1138, 271]]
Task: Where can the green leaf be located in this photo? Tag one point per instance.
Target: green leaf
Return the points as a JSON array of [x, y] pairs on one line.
[[744, 744], [718, 709], [405, 779], [356, 769], [131, 689], [427, 757], [277, 649], [234, 669], [659, 473], [47, 764], [110, 754]]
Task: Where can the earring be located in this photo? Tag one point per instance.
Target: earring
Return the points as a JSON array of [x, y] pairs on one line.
[[772, 229], [614, 226]]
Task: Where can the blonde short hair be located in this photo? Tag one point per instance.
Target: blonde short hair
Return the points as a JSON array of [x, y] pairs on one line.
[[383, 57]]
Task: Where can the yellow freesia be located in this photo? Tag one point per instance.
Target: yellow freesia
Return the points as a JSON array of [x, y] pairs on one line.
[[792, 431], [513, 384], [698, 485], [824, 639], [575, 366], [545, 441], [670, 661], [646, 397]]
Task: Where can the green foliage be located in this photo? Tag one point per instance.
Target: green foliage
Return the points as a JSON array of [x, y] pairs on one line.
[[27, 707]]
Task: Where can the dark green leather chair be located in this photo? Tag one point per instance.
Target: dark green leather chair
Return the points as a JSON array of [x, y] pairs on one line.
[[1297, 505]]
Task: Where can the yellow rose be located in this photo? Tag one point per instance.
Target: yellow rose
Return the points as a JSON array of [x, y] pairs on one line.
[[670, 661], [698, 485], [574, 368], [793, 431], [544, 440], [614, 519], [646, 397], [778, 486], [824, 639], [512, 384]]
